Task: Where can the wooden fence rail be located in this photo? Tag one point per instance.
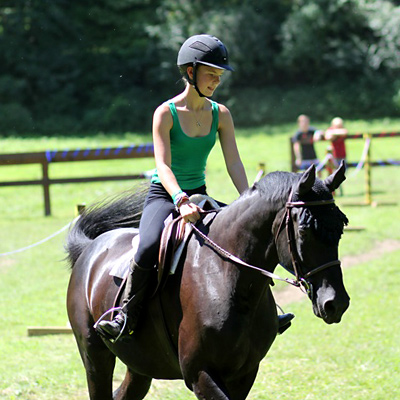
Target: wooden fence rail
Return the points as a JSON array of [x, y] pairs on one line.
[[48, 157]]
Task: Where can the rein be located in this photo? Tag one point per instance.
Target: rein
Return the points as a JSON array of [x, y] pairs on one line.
[[301, 279], [224, 253]]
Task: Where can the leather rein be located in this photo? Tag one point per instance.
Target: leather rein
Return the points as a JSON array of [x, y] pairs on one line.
[[287, 220]]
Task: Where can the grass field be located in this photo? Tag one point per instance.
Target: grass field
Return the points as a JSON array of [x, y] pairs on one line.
[[356, 359]]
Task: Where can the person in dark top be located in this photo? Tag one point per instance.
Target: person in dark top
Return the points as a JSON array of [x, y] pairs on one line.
[[303, 143]]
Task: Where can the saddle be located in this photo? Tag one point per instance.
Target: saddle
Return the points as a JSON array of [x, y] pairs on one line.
[[173, 241], [175, 236]]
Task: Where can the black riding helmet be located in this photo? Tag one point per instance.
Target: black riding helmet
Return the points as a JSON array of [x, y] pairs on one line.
[[203, 49]]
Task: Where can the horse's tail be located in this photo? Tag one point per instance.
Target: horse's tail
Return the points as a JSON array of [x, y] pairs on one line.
[[121, 211]]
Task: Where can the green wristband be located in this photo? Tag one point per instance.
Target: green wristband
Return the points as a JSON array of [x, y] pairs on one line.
[[174, 199]]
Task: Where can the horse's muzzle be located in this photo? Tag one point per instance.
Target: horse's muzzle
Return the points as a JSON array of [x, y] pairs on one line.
[[330, 305]]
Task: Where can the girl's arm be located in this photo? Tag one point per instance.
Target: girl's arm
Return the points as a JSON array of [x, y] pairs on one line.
[[333, 133], [297, 152], [233, 162], [162, 124]]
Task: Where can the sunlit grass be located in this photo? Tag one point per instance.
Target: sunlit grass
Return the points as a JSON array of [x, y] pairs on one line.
[[357, 359]]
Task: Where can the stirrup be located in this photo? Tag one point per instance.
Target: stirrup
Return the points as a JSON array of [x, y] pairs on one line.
[[122, 313]]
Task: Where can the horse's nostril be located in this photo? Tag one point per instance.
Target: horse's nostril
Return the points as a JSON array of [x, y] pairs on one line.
[[329, 307]]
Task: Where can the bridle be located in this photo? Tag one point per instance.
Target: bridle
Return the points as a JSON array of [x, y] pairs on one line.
[[301, 280], [287, 220]]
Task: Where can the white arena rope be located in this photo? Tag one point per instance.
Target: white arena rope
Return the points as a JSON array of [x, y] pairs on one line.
[[360, 164], [40, 241]]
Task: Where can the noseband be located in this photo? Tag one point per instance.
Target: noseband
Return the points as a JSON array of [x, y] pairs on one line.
[[287, 219]]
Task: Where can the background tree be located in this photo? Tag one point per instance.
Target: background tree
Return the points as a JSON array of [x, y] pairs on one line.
[[106, 64]]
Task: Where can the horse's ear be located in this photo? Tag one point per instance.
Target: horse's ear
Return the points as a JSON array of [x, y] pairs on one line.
[[306, 182], [334, 180]]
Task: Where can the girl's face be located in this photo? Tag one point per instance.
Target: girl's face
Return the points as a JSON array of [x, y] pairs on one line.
[[208, 78]]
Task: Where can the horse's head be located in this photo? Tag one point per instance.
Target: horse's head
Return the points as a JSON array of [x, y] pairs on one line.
[[307, 240]]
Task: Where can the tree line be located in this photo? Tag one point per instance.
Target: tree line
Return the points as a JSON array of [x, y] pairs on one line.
[[104, 65]]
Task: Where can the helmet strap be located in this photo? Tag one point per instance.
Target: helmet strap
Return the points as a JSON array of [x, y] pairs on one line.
[[194, 80]]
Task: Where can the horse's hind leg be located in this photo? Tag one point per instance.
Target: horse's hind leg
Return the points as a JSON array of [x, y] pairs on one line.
[[99, 363], [98, 360], [133, 387]]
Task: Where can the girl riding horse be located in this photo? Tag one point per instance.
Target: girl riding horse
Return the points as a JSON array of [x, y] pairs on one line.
[[184, 132]]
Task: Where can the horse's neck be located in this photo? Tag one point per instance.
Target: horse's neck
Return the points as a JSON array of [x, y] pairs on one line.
[[246, 230]]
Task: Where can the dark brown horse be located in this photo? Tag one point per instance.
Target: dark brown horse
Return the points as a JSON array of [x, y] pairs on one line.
[[215, 318]]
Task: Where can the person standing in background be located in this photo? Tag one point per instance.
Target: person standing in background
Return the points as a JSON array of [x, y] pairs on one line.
[[336, 133], [303, 143]]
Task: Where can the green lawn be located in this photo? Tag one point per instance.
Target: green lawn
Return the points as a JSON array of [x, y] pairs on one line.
[[356, 359]]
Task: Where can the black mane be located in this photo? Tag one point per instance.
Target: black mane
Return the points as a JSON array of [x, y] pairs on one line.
[[276, 186], [326, 221]]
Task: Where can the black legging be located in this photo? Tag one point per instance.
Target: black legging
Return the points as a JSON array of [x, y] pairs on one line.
[[157, 207]]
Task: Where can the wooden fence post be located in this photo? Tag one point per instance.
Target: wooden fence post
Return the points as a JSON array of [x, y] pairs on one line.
[[292, 156], [80, 208], [46, 188], [368, 194]]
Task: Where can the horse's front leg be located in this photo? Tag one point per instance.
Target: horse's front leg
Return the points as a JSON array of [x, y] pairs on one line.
[[133, 387], [207, 388]]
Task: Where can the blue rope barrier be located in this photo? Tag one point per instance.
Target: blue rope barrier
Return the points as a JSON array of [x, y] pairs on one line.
[[50, 154], [118, 150]]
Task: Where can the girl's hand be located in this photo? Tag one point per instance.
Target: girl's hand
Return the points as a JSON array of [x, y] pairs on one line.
[[190, 211]]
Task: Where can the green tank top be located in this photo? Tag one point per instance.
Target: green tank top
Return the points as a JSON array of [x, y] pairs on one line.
[[189, 154]]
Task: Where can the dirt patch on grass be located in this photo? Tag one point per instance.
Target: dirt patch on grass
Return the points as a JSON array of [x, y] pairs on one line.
[[291, 294]]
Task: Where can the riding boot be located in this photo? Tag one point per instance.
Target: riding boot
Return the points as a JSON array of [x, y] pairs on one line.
[[284, 322], [135, 291]]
